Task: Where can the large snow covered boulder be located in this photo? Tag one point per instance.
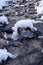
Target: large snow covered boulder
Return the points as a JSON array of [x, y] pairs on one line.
[[23, 24]]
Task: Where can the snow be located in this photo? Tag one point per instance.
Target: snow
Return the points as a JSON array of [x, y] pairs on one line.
[[4, 54], [15, 0], [41, 3], [41, 17], [14, 36], [40, 7], [23, 24], [3, 19], [0, 7], [42, 50], [5, 36], [3, 3]]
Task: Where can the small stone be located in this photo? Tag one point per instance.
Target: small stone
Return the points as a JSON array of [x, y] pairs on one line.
[[3, 43], [16, 43]]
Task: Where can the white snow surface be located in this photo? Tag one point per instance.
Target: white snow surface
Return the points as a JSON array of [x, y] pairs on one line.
[[3, 3], [15, 0], [4, 54], [3, 19], [40, 7], [41, 17], [41, 3], [23, 24], [0, 7]]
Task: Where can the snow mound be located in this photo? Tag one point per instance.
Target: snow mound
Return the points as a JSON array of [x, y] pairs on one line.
[[4, 54], [3, 19]]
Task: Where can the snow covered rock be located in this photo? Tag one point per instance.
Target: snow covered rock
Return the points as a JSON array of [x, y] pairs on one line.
[[40, 7], [41, 18], [14, 36], [23, 24], [0, 7], [3, 2], [41, 3], [3, 19], [4, 54]]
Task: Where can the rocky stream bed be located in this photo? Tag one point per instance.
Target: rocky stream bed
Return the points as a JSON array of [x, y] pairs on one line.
[[30, 51]]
